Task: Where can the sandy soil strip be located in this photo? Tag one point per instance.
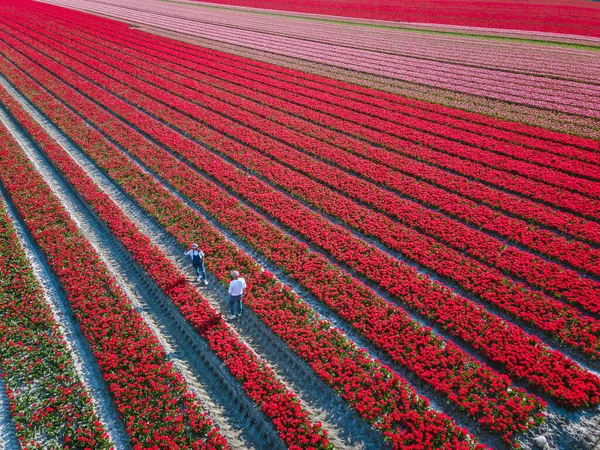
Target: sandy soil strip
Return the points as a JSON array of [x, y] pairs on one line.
[[83, 359], [8, 435]]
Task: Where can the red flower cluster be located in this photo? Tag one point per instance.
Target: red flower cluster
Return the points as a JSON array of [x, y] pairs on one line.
[[151, 397], [433, 301], [485, 394], [258, 380], [48, 403]]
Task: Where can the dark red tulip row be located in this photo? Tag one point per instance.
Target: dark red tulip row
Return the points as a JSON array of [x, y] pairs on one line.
[[151, 397], [46, 396], [556, 319], [165, 165], [572, 252], [364, 383], [258, 380]]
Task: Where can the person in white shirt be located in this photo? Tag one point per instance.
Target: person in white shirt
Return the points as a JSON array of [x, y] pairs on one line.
[[237, 289], [197, 257]]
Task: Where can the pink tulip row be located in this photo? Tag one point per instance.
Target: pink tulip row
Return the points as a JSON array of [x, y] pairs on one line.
[[151, 397], [511, 57], [507, 56], [44, 391], [258, 380], [163, 165], [529, 306], [364, 383]]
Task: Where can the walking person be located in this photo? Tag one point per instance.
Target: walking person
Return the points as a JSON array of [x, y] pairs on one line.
[[237, 289], [197, 257]]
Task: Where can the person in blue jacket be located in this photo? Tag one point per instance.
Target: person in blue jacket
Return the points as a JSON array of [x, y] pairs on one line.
[[197, 257]]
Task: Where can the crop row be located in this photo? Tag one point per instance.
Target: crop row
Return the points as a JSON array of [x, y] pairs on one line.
[[549, 276], [48, 402], [413, 130], [497, 199], [350, 39], [258, 380], [433, 306], [533, 137], [151, 397], [553, 317], [511, 57], [480, 82], [378, 395], [470, 212]]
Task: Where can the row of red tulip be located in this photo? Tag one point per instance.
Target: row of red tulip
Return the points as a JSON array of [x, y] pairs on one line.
[[48, 403], [551, 316], [129, 141], [572, 252], [521, 207], [151, 397], [510, 132], [551, 277], [451, 119], [258, 380], [395, 285], [378, 394]]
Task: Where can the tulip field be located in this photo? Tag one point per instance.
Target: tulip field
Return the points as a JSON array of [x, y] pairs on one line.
[[415, 210]]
